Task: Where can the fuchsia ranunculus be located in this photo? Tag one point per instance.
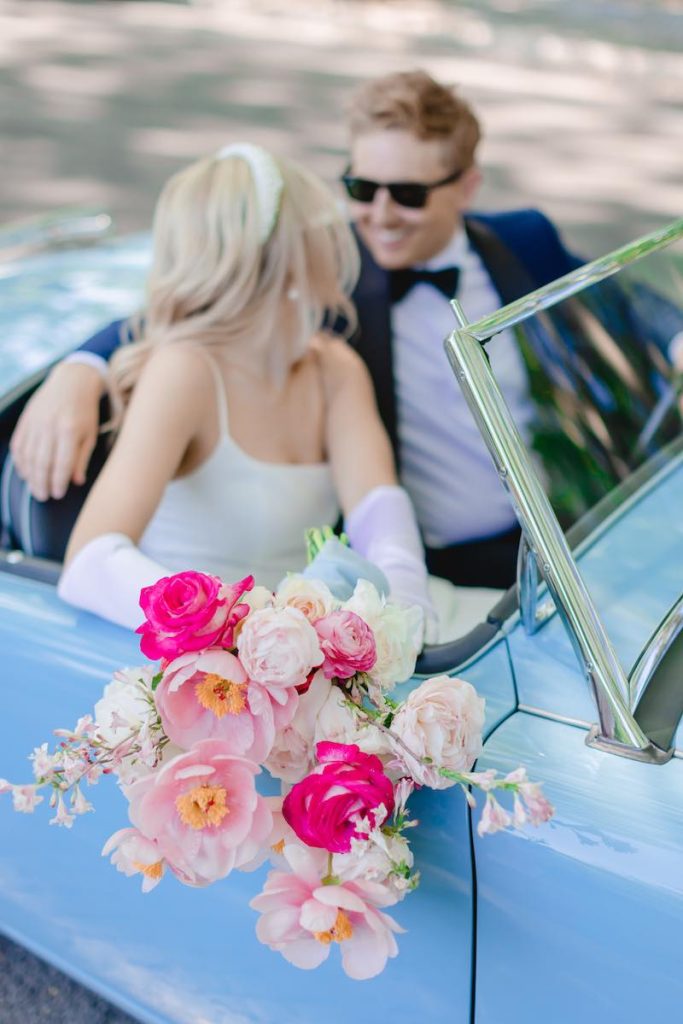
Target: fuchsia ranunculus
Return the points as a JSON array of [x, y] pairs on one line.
[[188, 612], [348, 644], [343, 799]]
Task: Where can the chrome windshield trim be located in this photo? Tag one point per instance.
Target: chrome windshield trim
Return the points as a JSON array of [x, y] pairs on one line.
[[578, 723], [544, 535], [618, 729], [583, 277], [553, 716]]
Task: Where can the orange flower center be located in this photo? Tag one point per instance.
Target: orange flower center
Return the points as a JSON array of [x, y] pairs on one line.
[[340, 930], [155, 870], [279, 846], [202, 806], [221, 696]]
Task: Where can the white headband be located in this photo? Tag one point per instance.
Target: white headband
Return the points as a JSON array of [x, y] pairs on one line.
[[267, 181]]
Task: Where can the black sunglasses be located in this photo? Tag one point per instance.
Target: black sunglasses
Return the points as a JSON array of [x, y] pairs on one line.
[[406, 193]]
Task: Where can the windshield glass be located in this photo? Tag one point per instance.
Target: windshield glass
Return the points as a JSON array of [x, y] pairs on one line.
[[603, 387]]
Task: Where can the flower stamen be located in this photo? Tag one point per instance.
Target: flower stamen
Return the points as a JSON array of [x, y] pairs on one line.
[[221, 696], [341, 930], [154, 870], [202, 806]]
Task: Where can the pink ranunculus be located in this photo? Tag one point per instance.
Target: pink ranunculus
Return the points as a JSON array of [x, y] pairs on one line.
[[206, 695], [348, 644], [343, 799], [278, 647], [188, 612], [202, 811], [303, 919]]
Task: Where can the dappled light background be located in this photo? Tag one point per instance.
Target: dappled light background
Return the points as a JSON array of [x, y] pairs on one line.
[[582, 102]]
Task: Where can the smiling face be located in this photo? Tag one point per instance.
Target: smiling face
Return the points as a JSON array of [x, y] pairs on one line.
[[399, 236]]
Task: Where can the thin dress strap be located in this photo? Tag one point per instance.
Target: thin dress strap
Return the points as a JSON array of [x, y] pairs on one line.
[[221, 397]]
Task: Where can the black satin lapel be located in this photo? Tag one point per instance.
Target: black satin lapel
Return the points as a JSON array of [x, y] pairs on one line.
[[372, 340], [510, 278]]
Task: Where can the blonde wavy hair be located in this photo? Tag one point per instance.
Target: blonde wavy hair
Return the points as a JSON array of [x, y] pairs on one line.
[[214, 282]]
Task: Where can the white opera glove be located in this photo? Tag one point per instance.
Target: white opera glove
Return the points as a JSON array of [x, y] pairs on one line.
[[382, 528], [106, 577]]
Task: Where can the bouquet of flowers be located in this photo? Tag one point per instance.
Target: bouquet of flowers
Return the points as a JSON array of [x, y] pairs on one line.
[[299, 683]]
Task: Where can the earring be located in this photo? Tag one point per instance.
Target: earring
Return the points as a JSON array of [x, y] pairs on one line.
[[293, 294]]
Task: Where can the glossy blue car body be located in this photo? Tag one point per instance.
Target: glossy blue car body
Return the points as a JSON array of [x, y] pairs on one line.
[[578, 920]]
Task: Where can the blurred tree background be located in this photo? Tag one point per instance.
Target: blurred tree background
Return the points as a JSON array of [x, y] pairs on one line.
[[581, 102]]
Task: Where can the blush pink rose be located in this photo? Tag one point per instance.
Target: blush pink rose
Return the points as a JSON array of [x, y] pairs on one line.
[[303, 919], [348, 644], [346, 797], [207, 695], [278, 647], [188, 612], [202, 811], [441, 722]]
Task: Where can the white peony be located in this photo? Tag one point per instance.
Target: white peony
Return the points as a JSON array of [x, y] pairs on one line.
[[441, 720], [258, 597], [312, 597], [380, 859], [127, 709], [337, 723], [398, 634], [125, 705]]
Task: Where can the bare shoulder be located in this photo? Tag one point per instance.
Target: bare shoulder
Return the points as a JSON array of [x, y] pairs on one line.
[[340, 364], [176, 371]]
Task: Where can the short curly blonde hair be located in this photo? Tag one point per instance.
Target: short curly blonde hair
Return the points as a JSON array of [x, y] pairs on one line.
[[416, 102]]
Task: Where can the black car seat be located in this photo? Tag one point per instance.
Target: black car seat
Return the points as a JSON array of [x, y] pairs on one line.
[[41, 529]]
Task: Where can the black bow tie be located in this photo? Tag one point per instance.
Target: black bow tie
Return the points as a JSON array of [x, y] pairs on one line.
[[446, 280]]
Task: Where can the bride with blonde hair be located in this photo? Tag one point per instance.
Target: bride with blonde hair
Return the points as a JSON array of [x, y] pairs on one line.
[[240, 421]]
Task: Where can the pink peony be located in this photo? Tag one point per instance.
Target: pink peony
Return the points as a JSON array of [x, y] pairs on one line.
[[302, 918], [348, 644], [207, 695], [202, 811], [188, 612], [343, 799], [278, 647], [293, 753], [133, 854]]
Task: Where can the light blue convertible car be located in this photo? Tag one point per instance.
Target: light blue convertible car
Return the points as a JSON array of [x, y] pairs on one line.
[[579, 920]]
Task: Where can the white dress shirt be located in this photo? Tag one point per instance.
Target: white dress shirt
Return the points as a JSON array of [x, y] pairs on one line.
[[445, 465]]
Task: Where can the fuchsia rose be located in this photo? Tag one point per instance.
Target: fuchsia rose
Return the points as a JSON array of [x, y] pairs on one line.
[[346, 797], [303, 919], [188, 612], [348, 644], [202, 812], [207, 695]]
